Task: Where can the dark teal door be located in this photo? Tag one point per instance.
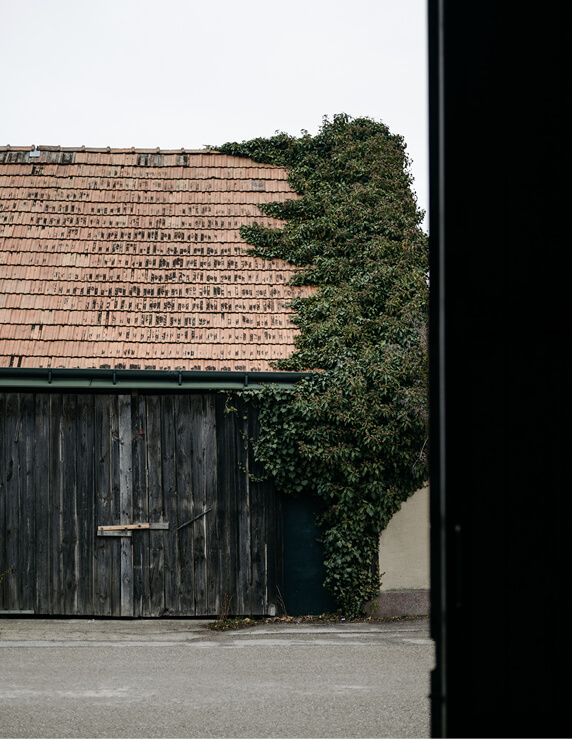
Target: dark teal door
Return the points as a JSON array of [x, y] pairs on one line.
[[304, 571]]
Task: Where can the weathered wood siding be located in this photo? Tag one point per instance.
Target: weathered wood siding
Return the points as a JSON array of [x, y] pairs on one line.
[[70, 463]]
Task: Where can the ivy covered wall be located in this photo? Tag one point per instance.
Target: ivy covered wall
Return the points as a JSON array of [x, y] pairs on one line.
[[355, 432]]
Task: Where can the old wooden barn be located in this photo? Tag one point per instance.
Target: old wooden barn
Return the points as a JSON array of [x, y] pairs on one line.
[[129, 308]]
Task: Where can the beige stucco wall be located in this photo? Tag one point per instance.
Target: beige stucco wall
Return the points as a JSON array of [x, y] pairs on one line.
[[404, 546]]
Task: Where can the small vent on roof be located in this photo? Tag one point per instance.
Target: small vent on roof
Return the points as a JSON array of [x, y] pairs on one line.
[[258, 185], [34, 154]]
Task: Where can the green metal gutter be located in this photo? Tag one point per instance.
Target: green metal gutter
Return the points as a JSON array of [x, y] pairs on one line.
[[125, 380]]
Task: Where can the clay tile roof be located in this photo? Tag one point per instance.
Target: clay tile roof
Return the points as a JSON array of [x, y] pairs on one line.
[[133, 258]]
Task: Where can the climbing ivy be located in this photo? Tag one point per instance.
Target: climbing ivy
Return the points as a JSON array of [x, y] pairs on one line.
[[354, 432]]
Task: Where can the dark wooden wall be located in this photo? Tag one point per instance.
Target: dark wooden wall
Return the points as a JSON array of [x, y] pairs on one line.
[[71, 463]]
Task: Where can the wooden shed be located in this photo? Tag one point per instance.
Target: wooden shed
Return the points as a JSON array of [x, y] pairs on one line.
[[129, 308]]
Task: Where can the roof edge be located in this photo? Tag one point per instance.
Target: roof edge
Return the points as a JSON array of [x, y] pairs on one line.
[[111, 150], [125, 380]]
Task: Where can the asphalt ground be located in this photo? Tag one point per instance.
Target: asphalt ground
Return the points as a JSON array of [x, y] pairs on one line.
[[178, 678]]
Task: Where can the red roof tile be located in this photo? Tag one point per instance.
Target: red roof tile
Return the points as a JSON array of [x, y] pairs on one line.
[[133, 258]]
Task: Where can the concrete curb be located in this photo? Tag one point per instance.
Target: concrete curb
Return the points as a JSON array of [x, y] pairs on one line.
[[395, 603]]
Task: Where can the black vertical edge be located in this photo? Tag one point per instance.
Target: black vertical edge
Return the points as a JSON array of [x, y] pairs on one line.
[[500, 363], [437, 387]]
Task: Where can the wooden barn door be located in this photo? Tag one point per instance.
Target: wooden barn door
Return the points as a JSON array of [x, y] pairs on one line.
[[170, 471], [180, 526], [132, 526], [134, 506]]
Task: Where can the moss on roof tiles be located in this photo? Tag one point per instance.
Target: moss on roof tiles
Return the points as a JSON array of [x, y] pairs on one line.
[[136, 258]]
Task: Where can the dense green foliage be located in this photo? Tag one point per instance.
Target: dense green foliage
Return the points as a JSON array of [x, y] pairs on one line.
[[353, 433]]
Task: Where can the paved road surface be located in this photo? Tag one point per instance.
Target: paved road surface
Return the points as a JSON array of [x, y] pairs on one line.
[[77, 678]]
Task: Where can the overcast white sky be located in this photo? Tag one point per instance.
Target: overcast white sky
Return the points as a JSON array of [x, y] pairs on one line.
[[185, 73]]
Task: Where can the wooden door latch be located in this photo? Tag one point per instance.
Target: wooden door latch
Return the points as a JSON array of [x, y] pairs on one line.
[[127, 529]]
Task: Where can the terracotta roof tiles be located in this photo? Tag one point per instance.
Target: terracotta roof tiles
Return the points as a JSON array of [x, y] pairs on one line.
[[132, 258]]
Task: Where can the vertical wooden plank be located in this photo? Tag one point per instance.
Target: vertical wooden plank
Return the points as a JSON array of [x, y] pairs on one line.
[[197, 528], [115, 456], [102, 503], [126, 576], [243, 514], [169, 476], [107, 548], [27, 537], [272, 534], [227, 510], [5, 456], [185, 485], [276, 588], [69, 530], [154, 451], [3, 527], [212, 536], [125, 501], [258, 521], [13, 431], [141, 542], [85, 506], [275, 549], [43, 422], [55, 510]]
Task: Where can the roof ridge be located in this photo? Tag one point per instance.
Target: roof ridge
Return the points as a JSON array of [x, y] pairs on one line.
[[110, 150]]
